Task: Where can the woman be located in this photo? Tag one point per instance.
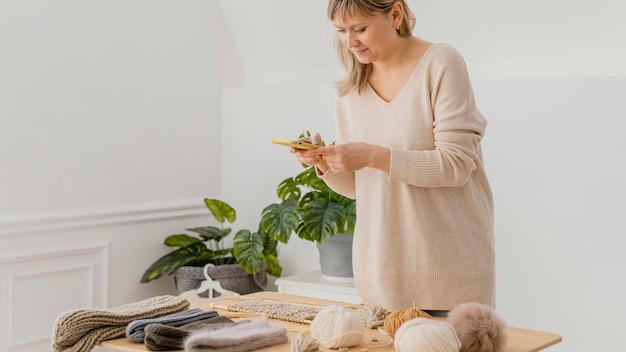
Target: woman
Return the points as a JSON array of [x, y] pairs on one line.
[[408, 149]]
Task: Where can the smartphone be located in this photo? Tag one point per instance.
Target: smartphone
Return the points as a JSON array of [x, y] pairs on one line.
[[294, 143]]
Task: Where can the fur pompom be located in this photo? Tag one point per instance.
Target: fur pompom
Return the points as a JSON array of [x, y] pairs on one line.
[[478, 327]]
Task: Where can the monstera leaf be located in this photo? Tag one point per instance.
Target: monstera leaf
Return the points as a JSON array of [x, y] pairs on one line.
[[321, 220], [280, 220]]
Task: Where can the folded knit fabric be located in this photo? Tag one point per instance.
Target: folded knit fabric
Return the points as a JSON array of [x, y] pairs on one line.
[[80, 330], [239, 338], [135, 330], [161, 337]]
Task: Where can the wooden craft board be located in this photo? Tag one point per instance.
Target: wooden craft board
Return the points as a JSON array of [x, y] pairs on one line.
[[519, 340]]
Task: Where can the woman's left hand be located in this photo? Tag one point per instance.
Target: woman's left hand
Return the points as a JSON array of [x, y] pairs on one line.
[[350, 157]]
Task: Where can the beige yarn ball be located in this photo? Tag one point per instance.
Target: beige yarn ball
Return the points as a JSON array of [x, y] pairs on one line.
[[337, 327], [426, 335]]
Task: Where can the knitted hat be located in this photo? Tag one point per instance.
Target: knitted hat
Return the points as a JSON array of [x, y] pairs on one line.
[[161, 337], [239, 338], [82, 329], [135, 330]]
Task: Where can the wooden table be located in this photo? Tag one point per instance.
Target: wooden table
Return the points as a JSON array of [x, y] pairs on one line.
[[519, 340]]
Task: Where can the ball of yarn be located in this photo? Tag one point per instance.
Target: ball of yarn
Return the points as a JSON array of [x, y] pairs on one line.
[[426, 335], [479, 328], [395, 319], [337, 327]]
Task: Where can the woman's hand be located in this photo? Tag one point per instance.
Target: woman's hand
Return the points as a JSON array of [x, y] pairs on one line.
[[308, 157], [350, 157]]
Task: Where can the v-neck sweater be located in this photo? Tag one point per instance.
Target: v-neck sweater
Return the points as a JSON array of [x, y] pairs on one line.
[[424, 230]]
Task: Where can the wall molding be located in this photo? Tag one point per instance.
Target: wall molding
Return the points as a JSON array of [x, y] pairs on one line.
[[101, 247], [11, 306], [35, 223], [89, 260]]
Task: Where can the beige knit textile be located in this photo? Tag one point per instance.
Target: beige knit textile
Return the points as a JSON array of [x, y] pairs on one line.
[[80, 330], [276, 310]]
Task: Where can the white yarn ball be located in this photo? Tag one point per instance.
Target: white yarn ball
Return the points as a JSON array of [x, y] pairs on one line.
[[426, 335], [337, 327]]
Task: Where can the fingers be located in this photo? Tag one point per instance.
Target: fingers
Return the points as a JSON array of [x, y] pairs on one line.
[[307, 157], [341, 158], [314, 139], [311, 157]]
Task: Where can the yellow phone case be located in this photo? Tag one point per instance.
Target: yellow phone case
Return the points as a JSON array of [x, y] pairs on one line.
[[295, 144]]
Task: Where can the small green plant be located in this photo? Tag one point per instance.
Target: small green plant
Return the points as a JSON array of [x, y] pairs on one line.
[[308, 208], [207, 246]]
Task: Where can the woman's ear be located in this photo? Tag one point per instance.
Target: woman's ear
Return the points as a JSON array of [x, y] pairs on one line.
[[397, 12]]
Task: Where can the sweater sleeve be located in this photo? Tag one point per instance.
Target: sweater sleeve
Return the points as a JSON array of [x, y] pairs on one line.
[[341, 183], [344, 184], [458, 128]]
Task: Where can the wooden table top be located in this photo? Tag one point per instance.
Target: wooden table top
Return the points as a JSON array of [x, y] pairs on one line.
[[519, 340]]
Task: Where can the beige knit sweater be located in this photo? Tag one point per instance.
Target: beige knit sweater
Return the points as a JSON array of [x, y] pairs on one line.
[[424, 231]]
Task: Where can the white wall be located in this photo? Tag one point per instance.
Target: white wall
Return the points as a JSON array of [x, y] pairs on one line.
[[110, 137], [106, 103], [555, 155]]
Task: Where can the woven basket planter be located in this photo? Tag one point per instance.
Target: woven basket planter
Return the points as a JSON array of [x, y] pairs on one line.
[[231, 276]]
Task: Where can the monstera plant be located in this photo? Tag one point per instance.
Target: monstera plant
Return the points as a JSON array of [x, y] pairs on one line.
[[308, 208]]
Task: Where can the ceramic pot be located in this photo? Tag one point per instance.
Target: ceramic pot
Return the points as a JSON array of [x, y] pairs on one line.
[[336, 258]]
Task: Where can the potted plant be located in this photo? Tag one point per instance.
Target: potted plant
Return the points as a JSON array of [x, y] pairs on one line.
[[241, 268], [314, 212], [308, 208]]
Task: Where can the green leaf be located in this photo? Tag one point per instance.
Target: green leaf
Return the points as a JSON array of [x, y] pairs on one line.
[[320, 221], [318, 184], [220, 210], [211, 233], [309, 197], [270, 244], [168, 263], [288, 189], [309, 179], [180, 240], [350, 216], [280, 220], [249, 250], [224, 252], [272, 266]]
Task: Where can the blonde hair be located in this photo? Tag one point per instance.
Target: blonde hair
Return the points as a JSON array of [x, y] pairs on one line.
[[357, 73]]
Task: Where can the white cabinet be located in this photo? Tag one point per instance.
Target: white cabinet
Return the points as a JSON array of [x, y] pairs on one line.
[[312, 284]]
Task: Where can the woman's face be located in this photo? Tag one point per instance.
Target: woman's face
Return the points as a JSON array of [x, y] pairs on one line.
[[367, 37]]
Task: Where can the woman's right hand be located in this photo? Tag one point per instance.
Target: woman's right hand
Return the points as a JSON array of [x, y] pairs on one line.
[[309, 157]]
